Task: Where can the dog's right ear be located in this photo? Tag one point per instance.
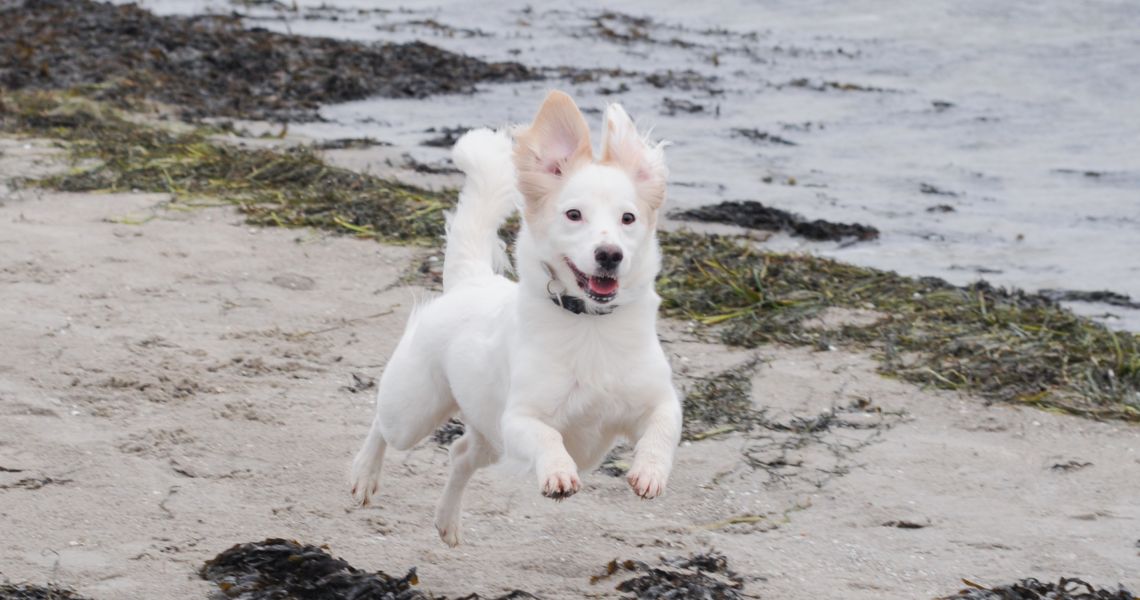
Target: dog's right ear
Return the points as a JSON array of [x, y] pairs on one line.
[[552, 147]]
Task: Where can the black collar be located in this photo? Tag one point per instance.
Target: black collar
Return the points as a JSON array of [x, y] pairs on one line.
[[573, 304], [578, 306]]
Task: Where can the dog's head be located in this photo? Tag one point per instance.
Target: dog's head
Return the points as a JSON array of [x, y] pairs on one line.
[[591, 222]]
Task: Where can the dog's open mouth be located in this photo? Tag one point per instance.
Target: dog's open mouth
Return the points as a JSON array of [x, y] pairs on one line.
[[600, 288]]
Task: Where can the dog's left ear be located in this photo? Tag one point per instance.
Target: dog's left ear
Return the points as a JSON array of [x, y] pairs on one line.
[[624, 147]]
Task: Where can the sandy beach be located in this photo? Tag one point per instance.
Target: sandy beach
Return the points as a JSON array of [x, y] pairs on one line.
[[173, 382]]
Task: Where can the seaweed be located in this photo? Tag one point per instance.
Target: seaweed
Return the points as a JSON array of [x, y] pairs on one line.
[[905, 525], [29, 591], [1066, 588], [616, 463], [754, 215], [437, 28], [1072, 465], [446, 136], [703, 576], [672, 106], [686, 80], [288, 187], [756, 135], [214, 66], [448, 432], [1104, 296], [778, 448], [1129, 178], [33, 483], [927, 188], [1005, 345], [608, 91], [443, 167], [277, 568], [622, 28], [720, 403], [349, 143], [360, 383], [823, 86]]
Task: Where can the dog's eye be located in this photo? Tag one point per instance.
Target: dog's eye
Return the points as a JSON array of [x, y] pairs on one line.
[[574, 214], [628, 219]]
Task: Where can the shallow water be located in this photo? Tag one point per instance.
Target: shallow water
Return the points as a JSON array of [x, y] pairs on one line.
[[1021, 116]]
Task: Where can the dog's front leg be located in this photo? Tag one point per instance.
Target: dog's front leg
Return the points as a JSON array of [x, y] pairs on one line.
[[530, 438], [656, 441]]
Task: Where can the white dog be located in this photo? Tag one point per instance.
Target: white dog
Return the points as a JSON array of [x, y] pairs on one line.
[[555, 369]]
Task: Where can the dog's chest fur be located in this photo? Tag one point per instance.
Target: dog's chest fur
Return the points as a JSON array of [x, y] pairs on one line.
[[599, 367]]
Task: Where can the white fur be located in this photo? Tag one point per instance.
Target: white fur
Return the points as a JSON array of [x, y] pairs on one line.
[[533, 382]]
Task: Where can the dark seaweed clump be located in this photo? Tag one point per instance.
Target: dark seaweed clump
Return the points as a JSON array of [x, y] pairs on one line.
[[754, 215], [698, 577], [213, 66], [282, 187], [1002, 344], [1032, 589], [277, 569], [28, 591]]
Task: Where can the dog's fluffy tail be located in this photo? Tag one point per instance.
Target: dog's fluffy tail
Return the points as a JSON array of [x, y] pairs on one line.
[[489, 196]]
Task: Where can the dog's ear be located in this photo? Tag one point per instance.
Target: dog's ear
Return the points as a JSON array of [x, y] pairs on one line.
[[623, 147], [554, 145]]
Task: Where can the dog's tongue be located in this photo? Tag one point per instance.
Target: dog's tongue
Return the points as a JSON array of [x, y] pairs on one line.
[[603, 286]]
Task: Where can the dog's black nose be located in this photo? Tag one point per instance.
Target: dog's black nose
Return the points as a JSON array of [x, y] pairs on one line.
[[608, 256]]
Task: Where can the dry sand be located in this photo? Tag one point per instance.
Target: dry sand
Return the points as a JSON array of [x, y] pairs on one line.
[[179, 382]]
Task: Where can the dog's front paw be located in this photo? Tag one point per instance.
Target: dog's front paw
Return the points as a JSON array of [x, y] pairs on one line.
[[647, 479], [560, 483]]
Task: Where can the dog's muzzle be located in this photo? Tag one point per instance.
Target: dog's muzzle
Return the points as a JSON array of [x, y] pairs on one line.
[[570, 303]]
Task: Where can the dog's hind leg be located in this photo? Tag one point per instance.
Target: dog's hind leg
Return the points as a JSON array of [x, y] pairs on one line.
[[366, 466], [468, 454], [412, 400]]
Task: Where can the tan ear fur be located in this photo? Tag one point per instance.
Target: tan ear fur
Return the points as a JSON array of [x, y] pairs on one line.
[[625, 148], [556, 143]]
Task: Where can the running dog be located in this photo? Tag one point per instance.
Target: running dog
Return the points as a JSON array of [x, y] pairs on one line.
[[553, 370]]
